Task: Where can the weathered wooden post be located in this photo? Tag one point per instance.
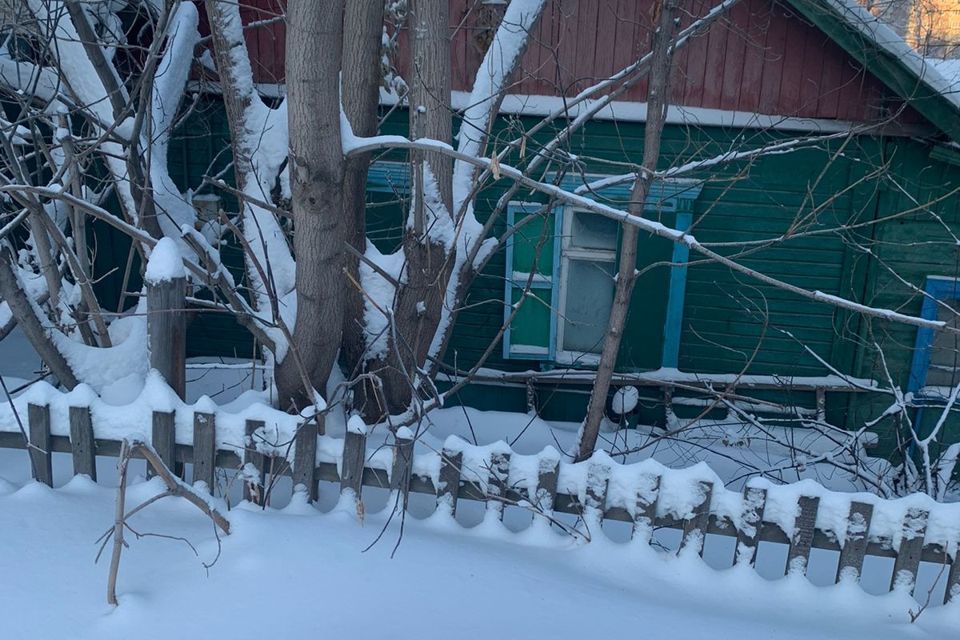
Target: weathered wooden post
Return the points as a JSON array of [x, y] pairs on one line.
[[38, 416], [166, 285]]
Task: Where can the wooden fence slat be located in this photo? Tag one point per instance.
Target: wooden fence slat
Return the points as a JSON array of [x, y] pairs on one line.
[[164, 439], [645, 511], [595, 497], [402, 468], [695, 529], [748, 533], [448, 487], [497, 483], [254, 487], [305, 458], [354, 455], [855, 544], [82, 444], [167, 330], [953, 577], [38, 417], [911, 546], [548, 474], [803, 528], [204, 448]]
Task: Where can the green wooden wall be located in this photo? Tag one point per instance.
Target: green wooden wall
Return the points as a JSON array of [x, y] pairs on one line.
[[730, 321]]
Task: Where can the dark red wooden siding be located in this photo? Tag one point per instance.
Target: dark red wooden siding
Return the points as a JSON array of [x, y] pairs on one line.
[[760, 58]]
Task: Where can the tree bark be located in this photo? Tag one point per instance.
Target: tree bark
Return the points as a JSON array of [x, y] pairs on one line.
[[314, 50], [429, 261], [360, 86], [657, 100]]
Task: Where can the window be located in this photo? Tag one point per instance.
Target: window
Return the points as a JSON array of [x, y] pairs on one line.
[[587, 271], [574, 255], [936, 358]]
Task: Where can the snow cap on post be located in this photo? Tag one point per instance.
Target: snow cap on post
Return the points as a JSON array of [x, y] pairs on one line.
[[165, 263], [356, 425]]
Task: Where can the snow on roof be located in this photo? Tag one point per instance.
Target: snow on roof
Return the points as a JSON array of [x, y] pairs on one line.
[[932, 74]]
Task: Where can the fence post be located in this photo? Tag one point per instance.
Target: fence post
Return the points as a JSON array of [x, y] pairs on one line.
[[695, 529], [911, 546], [645, 511], [167, 329], [748, 533], [803, 530], [855, 545], [497, 484], [38, 417], [448, 487], [164, 440], [82, 443], [253, 491], [305, 458], [204, 448], [548, 473], [402, 468], [595, 496], [354, 455], [953, 578]]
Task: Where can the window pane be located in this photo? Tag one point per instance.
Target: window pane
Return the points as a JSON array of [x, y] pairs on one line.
[[592, 231], [945, 350], [589, 298]]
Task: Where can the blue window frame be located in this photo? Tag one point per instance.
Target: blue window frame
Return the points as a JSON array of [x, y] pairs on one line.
[[939, 291]]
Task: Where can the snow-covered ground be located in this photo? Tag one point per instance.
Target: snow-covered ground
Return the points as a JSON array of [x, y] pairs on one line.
[[297, 570], [298, 573]]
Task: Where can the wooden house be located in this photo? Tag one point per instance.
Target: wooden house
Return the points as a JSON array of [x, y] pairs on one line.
[[883, 199]]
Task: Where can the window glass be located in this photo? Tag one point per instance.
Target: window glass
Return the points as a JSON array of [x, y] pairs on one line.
[[592, 231], [945, 350], [589, 296]]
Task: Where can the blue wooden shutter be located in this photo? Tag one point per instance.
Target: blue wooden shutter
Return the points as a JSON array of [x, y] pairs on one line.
[[532, 334]]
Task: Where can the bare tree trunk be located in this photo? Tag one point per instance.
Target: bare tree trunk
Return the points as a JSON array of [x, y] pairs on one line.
[[360, 84], [627, 276], [314, 49], [26, 316], [429, 259]]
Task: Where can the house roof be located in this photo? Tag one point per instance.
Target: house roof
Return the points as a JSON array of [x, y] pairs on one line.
[[923, 84]]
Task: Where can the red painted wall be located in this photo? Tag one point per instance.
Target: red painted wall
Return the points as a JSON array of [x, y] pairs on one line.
[[760, 58]]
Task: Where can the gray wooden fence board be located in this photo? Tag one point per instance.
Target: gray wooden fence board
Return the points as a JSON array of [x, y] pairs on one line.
[[166, 331], [803, 535], [645, 510], [448, 489], [305, 458], [754, 504], [38, 418], [402, 467], [164, 434], [354, 454], [907, 564], [855, 543], [253, 488], [204, 448], [548, 474], [82, 442], [497, 483], [695, 528], [953, 577], [595, 497]]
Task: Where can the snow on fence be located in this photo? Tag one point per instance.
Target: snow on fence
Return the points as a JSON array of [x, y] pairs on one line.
[[646, 495]]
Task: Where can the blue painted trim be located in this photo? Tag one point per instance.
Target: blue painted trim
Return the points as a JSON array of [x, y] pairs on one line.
[[673, 323], [936, 289], [555, 291], [509, 285], [386, 176]]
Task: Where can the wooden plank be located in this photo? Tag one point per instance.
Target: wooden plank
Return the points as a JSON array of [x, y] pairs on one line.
[[305, 458], [911, 546], [38, 417], [731, 79], [548, 474], [855, 544], [163, 439], [751, 520], [953, 578], [695, 528], [645, 510], [803, 529], [354, 454], [595, 498], [82, 443], [167, 331], [497, 483], [204, 449], [757, 22], [254, 485], [402, 467], [448, 487], [773, 54]]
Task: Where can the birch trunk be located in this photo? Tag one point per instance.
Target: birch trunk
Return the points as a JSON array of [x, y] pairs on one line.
[[627, 276]]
